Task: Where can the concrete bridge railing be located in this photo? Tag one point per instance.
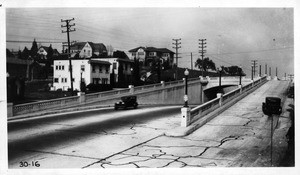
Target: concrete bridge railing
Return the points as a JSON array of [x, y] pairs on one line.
[[162, 90], [82, 98], [222, 102]]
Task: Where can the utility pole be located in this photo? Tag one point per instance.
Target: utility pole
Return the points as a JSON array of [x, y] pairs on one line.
[[177, 43], [191, 61], [202, 51], [276, 71], [270, 71], [68, 26], [259, 70], [254, 62], [266, 69]]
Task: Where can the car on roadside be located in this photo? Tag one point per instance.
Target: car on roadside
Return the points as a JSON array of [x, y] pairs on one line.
[[126, 102]]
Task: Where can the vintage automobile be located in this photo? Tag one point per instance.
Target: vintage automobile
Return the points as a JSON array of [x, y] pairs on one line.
[[272, 106], [127, 101]]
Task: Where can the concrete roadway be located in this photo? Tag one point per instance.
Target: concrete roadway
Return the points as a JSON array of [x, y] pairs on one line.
[[240, 136]]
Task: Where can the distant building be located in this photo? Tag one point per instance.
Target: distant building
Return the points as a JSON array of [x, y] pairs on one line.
[[87, 50], [127, 65], [148, 54], [16, 67], [43, 52], [84, 70]]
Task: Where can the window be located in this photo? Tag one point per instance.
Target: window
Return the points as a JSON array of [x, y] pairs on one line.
[[62, 67], [114, 65], [96, 80], [100, 69], [125, 67], [55, 80], [107, 69], [152, 54], [82, 68], [165, 54], [93, 68], [104, 80], [89, 52], [140, 53], [59, 67], [56, 67], [133, 54], [63, 80]]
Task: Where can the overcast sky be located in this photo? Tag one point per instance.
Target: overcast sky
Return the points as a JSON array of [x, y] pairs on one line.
[[235, 36]]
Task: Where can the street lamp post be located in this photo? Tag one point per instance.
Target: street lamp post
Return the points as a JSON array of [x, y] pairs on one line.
[[81, 71], [186, 73], [252, 73], [220, 75], [131, 70], [240, 71]]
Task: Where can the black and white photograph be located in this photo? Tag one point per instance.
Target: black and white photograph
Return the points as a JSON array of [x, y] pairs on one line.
[[168, 87]]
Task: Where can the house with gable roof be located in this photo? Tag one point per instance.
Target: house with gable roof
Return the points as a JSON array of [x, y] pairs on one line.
[[44, 50], [148, 54], [87, 50]]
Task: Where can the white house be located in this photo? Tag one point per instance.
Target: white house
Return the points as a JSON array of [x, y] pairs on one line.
[[87, 49], [85, 70], [116, 62]]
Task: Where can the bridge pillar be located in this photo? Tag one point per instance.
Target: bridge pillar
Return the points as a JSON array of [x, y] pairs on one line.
[[10, 109], [241, 88], [81, 97], [185, 116], [220, 95], [131, 89]]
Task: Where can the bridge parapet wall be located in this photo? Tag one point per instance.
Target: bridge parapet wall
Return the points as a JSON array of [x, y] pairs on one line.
[[161, 93], [220, 103]]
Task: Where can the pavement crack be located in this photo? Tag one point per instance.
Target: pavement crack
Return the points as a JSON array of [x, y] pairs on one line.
[[122, 151]]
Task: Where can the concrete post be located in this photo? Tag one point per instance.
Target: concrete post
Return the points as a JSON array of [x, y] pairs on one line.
[[220, 95], [81, 97], [201, 90], [131, 87], [163, 92], [10, 110], [241, 89], [185, 116]]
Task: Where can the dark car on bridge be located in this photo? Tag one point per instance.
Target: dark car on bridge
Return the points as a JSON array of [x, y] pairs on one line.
[[127, 101], [272, 106]]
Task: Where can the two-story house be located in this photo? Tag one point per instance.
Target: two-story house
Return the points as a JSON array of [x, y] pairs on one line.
[[127, 66], [87, 50], [83, 70], [148, 54]]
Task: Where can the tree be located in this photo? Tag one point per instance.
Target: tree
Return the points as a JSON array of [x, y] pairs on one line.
[[121, 76], [34, 50], [233, 70], [136, 72], [112, 78], [25, 53], [9, 54], [207, 64]]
